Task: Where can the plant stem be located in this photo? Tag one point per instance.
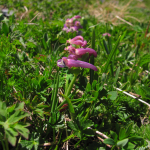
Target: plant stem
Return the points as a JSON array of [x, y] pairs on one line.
[[71, 85], [54, 136], [6, 142], [69, 137]]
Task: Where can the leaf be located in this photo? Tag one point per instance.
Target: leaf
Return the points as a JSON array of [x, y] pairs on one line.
[[144, 60], [78, 134], [88, 87], [129, 146], [19, 106], [94, 84], [117, 75], [27, 144], [11, 139], [111, 55], [89, 132], [109, 141], [5, 28], [128, 130], [122, 143], [92, 57], [18, 115], [114, 135], [106, 48], [122, 134], [113, 95], [135, 138], [22, 130], [11, 108], [73, 126], [86, 123], [22, 42]]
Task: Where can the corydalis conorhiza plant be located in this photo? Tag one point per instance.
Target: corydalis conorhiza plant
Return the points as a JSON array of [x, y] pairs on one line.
[[76, 53], [72, 25]]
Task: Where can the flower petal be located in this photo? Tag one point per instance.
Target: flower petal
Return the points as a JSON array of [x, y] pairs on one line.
[[76, 17], [77, 63], [106, 34], [60, 63], [82, 51]]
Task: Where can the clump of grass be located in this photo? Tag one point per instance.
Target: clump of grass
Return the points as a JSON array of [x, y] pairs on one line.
[[132, 11]]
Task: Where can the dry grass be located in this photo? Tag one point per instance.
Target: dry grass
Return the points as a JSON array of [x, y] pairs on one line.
[[116, 12]]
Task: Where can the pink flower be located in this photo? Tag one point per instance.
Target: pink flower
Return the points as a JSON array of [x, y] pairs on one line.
[[76, 17], [106, 34], [69, 22], [66, 62], [77, 24], [72, 24], [78, 40], [69, 48], [79, 37], [65, 28], [82, 51], [73, 57], [73, 29]]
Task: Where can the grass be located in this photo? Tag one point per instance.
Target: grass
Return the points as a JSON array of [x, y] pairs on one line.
[[43, 106]]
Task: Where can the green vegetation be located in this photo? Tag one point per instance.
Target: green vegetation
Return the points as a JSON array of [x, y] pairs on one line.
[[44, 106]]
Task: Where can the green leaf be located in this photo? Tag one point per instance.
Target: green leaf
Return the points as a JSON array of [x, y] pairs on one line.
[[11, 108], [19, 106], [92, 57], [128, 130], [135, 138], [78, 133], [18, 115], [5, 28], [109, 141], [73, 126], [88, 87], [122, 143], [11, 138], [22, 42], [113, 95], [12, 131], [114, 135], [117, 75], [144, 59], [129, 146], [111, 55], [94, 84], [30, 143], [89, 132], [106, 48], [22, 130], [122, 134], [86, 123]]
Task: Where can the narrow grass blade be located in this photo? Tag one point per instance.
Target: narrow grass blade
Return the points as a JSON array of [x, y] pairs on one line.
[[106, 48], [98, 49], [70, 106], [92, 57], [117, 75], [111, 55], [54, 101]]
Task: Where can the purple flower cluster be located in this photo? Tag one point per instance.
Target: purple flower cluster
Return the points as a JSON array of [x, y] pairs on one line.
[[72, 25], [77, 53]]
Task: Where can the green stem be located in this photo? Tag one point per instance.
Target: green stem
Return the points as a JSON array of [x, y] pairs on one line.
[[70, 106], [6, 142], [54, 137], [69, 137], [67, 100], [71, 85], [3, 144]]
